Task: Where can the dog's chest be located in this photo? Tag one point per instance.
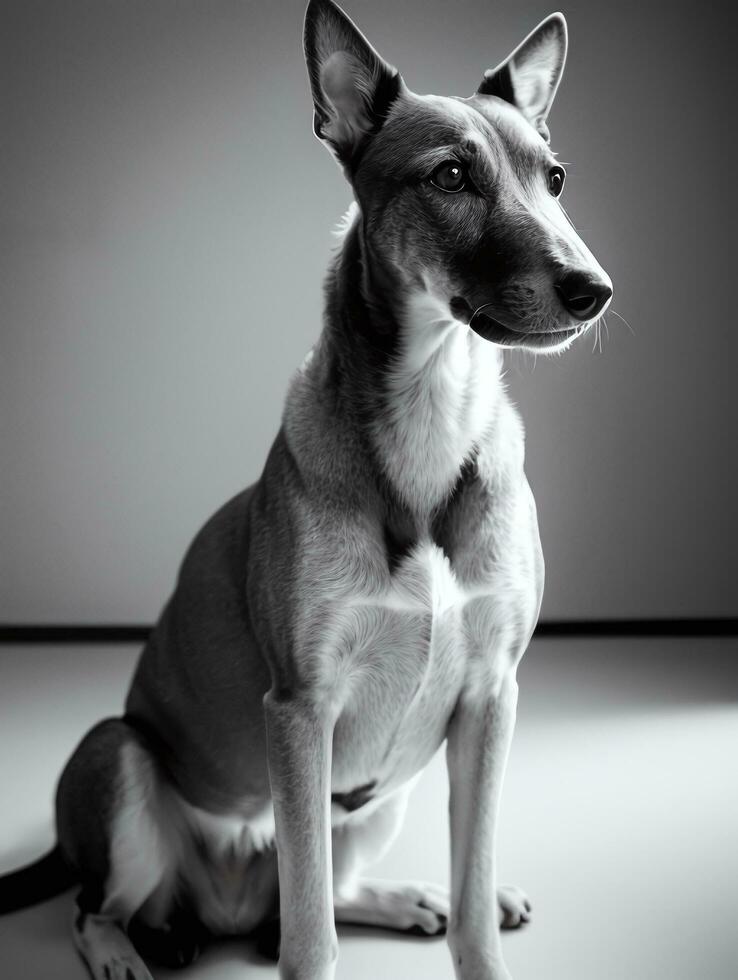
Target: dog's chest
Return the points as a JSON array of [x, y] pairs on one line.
[[402, 657]]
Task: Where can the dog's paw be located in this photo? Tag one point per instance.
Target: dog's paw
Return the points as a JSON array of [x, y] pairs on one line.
[[117, 969], [417, 907], [106, 949], [513, 905]]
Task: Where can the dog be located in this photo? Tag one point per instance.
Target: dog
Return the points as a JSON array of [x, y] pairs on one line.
[[372, 594]]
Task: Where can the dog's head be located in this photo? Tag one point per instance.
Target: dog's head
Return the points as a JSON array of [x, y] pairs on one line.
[[460, 196]]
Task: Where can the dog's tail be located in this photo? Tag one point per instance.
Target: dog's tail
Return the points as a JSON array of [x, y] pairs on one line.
[[37, 882]]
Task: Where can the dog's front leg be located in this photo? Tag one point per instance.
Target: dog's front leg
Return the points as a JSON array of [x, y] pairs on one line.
[[299, 736], [479, 738]]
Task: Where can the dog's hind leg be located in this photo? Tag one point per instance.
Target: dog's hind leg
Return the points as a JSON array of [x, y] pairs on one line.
[[106, 949], [363, 839], [109, 812]]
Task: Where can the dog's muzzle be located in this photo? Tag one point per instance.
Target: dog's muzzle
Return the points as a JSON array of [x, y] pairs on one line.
[[489, 327]]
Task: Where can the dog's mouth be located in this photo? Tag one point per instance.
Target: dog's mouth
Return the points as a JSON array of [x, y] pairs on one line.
[[491, 328]]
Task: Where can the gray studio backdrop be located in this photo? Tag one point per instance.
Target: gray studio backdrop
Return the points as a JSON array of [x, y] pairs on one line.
[[165, 219]]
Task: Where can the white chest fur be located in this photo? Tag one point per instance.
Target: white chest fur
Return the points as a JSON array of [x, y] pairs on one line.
[[441, 395], [402, 657]]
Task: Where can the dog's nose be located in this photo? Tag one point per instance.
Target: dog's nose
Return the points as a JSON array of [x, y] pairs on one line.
[[582, 294]]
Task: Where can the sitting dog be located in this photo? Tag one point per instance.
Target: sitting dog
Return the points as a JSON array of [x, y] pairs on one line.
[[371, 596]]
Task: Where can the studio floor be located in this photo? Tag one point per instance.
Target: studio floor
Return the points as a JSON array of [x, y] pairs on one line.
[[620, 815]]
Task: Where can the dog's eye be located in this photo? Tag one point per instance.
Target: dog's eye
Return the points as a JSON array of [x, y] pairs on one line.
[[449, 176], [556, 178]]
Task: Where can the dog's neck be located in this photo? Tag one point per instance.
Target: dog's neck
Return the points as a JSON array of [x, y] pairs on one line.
[[421, 386]]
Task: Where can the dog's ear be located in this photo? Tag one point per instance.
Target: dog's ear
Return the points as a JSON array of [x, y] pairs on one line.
[[352, 86], [530, 76]]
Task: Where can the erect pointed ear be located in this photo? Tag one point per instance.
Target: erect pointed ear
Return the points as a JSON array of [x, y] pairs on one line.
[[530, 76], [352, 86]]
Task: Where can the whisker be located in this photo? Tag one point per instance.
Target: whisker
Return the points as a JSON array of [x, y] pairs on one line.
[[615, 313]]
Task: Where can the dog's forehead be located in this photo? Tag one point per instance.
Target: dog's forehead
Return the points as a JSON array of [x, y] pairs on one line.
[[508, 124], [423, 123]]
